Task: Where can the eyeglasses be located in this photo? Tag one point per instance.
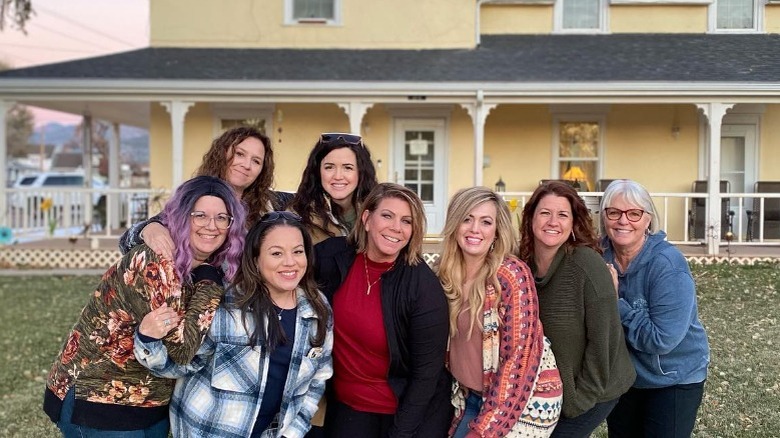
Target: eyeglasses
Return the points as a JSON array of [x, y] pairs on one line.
[[343, 138], [633, 215], [221, 221], [276, 215]]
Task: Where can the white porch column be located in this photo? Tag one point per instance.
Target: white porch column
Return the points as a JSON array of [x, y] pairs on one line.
[[355, 111], [478, 111], [714, 113], [114, 161], [178, 110], [86, 148], [5, 216]]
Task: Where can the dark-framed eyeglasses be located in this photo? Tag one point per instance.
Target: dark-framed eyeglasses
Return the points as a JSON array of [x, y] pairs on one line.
[[633, 214], [342, 138], [274, 216], [221, 221]]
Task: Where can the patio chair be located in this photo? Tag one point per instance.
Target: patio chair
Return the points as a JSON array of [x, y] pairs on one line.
[[602, 184], [771, 212], [697, 215]]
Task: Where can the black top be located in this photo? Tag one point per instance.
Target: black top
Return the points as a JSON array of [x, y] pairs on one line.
[[278, 367], [416, 319]]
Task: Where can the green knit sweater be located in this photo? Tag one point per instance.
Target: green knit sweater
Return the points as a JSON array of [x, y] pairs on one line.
[[578, 308]]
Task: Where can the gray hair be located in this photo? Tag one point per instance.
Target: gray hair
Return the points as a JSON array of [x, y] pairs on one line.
[[633, 193]]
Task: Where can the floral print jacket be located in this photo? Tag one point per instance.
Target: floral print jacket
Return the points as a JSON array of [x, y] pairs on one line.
[[98, 355]]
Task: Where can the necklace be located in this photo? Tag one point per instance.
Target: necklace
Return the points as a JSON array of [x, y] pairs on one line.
[[372, 283], [281, 309]]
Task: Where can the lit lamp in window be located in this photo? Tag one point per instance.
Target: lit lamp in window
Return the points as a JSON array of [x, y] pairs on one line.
[[500, 185]]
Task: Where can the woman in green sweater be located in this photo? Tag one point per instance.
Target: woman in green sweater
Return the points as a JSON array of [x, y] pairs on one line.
[[578, 306]]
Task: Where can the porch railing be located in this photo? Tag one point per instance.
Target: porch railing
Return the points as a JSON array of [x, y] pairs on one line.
[[675, 211], [59, 212], [107, 212]]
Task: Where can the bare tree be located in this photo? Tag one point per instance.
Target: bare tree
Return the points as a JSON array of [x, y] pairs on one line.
[[19, 123], [17, 12]]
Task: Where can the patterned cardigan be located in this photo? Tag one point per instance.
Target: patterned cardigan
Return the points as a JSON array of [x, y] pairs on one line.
[[522, 389], [98, 355]]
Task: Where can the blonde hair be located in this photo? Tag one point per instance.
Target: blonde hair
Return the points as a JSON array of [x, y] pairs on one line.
[[412, 252], [452, 264]]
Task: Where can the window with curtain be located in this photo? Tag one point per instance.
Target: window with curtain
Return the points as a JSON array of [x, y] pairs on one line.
[[735, 14], [303, 10], [578, 153], [581, 14]]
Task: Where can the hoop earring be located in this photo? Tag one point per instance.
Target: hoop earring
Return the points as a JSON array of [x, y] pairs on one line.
[[492, 246]]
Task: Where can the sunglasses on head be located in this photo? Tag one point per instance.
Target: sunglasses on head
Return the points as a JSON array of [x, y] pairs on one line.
[[341, 138], [277, 215]]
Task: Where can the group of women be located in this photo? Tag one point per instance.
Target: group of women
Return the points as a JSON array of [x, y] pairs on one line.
[[236, 307]]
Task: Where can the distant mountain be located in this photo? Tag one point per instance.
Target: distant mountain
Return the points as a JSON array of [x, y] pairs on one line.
[[57, 133], [134, 141]]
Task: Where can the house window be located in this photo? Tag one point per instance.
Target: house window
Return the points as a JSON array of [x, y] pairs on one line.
[[580, 15], [257, 123], [578, 156], [736, 16], [313, 11]]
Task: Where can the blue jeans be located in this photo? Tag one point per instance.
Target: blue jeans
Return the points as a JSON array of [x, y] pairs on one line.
[[584, 424], [70, 430], [658, 412], [473, 406]]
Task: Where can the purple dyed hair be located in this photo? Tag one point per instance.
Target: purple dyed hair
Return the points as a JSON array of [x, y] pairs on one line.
[[176, 217]]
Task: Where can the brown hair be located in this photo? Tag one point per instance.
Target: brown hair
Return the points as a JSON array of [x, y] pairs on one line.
[[216, 160], [582, 224], [412, 252]]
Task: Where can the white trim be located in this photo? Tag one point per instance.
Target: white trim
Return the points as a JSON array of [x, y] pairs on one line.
[[603, 26], [419, 110], [290, 21], [582, 116], [248, 91], [440, 126], [758, 19]]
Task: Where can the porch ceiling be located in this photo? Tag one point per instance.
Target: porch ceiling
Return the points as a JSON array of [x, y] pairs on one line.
[[126, 113]]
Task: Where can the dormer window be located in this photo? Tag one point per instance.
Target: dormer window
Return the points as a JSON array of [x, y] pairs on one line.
[[580, 16], [313, 11], [736, 16]]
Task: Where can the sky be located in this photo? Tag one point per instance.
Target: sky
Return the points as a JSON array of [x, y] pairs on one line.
[[65, 30]]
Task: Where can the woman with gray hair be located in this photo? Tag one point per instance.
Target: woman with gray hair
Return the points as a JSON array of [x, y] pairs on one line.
[[658, 309]]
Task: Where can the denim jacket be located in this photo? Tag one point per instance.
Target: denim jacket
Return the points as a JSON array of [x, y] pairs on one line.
[[657, 305], [219, 393]]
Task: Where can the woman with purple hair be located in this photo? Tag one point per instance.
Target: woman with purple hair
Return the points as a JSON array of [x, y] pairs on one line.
[[96, 385]]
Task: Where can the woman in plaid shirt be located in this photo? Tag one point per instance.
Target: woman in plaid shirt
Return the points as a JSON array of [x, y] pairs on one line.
[[253, 379]]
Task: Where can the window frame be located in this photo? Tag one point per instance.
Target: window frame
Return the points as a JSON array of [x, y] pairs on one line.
[[758, 19], [289, 19], [603, 26], [582, 117]]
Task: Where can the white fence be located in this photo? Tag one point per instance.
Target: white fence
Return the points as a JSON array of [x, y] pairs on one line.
[[62, 212], [106, 213], [683, 216]]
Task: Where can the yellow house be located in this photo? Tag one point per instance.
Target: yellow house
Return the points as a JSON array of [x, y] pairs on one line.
[[455, 93]]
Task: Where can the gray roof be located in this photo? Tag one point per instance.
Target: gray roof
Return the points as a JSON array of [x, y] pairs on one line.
[[500, 58]]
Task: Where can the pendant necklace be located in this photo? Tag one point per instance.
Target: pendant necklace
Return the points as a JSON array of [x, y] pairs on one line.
[[372, 283], [281, 309]]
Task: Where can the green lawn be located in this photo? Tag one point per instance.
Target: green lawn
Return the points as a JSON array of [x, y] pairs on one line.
[[738, 306]]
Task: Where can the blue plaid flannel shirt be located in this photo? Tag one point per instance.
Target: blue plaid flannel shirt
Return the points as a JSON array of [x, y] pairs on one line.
[[220, 391]]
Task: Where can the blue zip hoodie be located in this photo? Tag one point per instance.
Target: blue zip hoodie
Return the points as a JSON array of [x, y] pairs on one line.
[[657, 305]]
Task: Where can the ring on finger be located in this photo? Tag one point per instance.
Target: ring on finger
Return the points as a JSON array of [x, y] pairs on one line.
[[167, 322]]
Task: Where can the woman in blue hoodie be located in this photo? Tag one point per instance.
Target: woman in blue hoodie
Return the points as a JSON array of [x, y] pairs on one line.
[[657, 306]]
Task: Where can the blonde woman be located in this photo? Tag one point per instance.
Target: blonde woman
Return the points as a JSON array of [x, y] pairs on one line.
[[503, 366]]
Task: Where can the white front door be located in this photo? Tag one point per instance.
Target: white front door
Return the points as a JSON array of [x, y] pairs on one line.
[[419, 164], [738, 166]]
